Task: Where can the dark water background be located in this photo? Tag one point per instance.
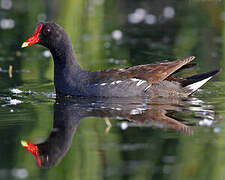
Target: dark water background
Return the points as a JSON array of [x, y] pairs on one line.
[[163, 139]]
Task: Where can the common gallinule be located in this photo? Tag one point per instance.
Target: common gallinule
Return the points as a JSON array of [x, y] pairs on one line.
[[153, 80], [69, 112]]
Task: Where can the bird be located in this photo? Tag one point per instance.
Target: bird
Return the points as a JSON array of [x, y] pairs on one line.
[[68, 113], [149, 80]]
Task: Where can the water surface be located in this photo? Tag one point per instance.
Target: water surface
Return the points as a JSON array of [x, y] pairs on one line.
[[88, 138]]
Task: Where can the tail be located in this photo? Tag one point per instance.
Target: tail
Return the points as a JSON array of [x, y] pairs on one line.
[[193, 83]]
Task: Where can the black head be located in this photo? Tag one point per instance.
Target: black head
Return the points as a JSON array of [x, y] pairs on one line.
[[48, 34]]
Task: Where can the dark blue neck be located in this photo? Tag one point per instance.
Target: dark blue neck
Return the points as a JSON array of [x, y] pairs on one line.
[[68, 75], [64, 58]]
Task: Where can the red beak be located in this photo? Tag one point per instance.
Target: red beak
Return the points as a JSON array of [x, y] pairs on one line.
[[34, 150], [34, 38]]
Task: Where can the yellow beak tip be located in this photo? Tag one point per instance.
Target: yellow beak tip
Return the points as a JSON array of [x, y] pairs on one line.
[[25, 44], [24, 143]]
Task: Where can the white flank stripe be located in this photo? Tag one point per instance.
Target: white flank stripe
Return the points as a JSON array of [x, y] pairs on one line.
[[135, 111], [140, 82], [147, 87], [103, 84], [134, 79], [116, 82], [198, 84]]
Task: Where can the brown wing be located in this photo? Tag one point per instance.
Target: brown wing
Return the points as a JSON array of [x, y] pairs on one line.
[[149, 72], [159, 118]]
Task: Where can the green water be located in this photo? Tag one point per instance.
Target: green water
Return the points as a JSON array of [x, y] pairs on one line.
[[162, 139]]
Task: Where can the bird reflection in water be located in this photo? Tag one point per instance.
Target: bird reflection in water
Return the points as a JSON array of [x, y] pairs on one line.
[[69, 112]]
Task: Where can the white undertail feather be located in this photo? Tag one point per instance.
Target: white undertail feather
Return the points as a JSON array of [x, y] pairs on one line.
[[198, 84]]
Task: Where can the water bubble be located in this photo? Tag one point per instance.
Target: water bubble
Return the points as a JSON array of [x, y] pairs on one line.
[[124, 125], [16, 91], [6, 4], [19, 173], [112, 60], [216, 130], [140, 11], [15, 101], [28, 92], [46, 53], [117, 35], [7, 23], [168, 12], [205, 122], [138, 16], [107, 44], [150, 19]]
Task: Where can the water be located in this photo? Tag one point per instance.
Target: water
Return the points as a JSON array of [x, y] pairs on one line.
[[88, 138]]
